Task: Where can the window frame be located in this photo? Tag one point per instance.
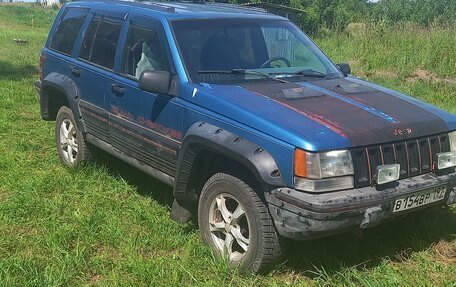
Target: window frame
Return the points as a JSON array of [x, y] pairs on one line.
[[81, 30], [118, 17], [93, 19], [146, 22]]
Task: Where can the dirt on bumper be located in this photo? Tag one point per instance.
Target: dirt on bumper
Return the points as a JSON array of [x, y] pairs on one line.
[[302, 216]]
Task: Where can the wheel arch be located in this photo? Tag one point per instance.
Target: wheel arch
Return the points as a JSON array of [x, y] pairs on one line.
[[208, 149], [58, 90]]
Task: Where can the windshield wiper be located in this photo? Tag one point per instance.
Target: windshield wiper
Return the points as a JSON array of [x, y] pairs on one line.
[[241, 72], [310, 73], [305, 73]]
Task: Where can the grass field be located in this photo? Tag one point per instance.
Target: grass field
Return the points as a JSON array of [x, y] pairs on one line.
[[108, 224]]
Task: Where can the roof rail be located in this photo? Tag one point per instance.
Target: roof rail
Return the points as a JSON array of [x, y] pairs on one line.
[[271, 5], [228, 5], [166, 7], [161, 4], [189, 1], [220, 3], [158, 4]]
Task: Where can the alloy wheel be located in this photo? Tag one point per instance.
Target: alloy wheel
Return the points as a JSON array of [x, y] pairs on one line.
[[68, 141], [229, 227]]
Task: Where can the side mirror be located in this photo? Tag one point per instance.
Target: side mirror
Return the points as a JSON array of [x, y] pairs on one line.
[[155, 82], [344, 68]]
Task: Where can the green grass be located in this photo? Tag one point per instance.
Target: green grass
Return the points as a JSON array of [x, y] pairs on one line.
[[107, 224], [26, 15]]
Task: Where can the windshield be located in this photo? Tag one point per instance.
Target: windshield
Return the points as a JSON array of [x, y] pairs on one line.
[[215, 50]]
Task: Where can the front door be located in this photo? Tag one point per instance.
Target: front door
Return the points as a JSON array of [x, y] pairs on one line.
[[144, 125]]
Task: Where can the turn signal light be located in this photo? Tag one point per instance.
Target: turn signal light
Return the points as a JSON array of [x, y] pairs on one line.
[[300, 163]]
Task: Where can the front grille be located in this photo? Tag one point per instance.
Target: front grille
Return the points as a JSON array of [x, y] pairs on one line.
[[415, 156]]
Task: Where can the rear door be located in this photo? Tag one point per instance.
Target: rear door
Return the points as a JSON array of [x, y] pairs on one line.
[[62, 40], [94, 68], [145, 125]]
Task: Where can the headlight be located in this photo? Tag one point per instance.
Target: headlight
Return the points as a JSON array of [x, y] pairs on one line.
[[322, 165], [452, 137], [313, 169]]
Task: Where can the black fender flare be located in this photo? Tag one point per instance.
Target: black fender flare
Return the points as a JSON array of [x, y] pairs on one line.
[[67, 87], [204, 136]]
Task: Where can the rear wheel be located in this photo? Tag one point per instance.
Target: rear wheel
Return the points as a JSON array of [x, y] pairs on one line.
[[234, 221], [71, 147]]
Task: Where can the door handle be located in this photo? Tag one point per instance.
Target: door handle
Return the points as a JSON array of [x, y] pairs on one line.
[[118, 90], [75, 71]]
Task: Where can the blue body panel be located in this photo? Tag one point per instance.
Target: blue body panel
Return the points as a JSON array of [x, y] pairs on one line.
[[275, 126]]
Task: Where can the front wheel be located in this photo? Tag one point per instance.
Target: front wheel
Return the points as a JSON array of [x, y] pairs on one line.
[[236, 224]]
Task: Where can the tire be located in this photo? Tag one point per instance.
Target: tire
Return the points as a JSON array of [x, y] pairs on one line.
[[237, 225], [71, 146]]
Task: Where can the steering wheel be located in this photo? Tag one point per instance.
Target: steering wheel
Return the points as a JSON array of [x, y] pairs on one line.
[[268, 62]]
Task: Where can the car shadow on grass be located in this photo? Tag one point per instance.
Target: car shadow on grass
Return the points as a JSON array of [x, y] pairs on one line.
[[16, 72], [396, 240], [144, 184]]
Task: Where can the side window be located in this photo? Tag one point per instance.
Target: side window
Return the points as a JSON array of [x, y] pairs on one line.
[[100, 42], [89, 38], [68, 29], [144, 50]]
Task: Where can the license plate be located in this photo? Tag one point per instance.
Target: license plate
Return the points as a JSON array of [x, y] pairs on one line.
[[419, 198]]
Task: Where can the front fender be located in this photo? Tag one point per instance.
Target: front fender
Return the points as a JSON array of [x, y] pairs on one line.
[[203, 136]]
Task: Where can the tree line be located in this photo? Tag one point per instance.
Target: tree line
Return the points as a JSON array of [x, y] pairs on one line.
[[337, 14]]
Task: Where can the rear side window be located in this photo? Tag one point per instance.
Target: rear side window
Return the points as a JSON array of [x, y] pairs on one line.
[[100, 42], [68, 29], [88, 38]]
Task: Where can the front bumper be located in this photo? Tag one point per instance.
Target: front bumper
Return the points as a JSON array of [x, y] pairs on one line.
[[301, 216]]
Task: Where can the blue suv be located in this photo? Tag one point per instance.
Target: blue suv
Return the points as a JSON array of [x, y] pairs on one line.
[[260, 135]]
